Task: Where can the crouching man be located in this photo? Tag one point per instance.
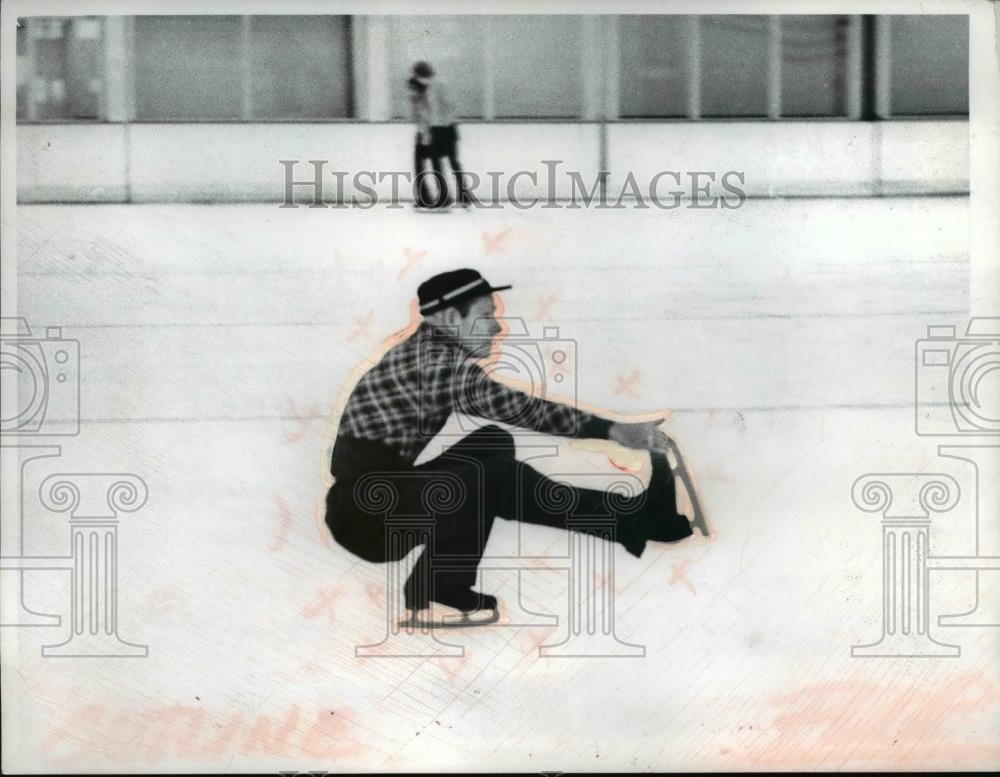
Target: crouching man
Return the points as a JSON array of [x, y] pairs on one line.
[[402, 402]]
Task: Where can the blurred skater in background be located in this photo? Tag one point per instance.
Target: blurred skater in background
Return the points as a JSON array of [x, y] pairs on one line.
[[437, 138]]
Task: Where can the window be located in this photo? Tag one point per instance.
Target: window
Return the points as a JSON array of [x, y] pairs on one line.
[[242, 67], [512, 66], [733, 57], [60, 68], [453, 45], [734, 65], [537, 65], [813, 65], [929, 69], [300, 67], [655, 73], [188, 67]]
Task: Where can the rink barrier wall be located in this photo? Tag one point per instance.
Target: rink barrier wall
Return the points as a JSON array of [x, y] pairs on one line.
[[209, 162]]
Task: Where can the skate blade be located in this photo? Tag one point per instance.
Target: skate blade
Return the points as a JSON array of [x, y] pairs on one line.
[[440, 617], [698, 521], [688, 504]]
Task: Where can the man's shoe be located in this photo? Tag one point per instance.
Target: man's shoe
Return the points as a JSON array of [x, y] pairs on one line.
[[664, 523], [466, 600], [632, 536], [670, 528], [635, 545]]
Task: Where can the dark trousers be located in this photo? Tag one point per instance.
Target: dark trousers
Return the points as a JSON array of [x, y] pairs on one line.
[[443, 145], [464, 490]]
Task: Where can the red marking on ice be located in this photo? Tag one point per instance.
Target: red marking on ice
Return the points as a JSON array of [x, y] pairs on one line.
[[374, 594], [412, 260], [324, 603], [361, 327], [286, 524], [492, 243], [193, 733], [304, 419], [451, 665], [545, 303], [855, 724], [531, 639], [625, 384], [678, 574]]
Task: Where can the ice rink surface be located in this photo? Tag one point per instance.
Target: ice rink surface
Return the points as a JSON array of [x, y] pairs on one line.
[[215, 341]]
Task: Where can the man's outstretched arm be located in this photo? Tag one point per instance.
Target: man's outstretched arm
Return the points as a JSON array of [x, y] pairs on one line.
[[480, 395]]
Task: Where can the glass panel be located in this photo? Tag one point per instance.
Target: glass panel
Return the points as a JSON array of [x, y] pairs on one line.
[[454, 47], [64, 79], [734, 57], [929, 59], [813, 65], [300, 67], [538, 63], [188, 67], [655, 76], [84, 68]]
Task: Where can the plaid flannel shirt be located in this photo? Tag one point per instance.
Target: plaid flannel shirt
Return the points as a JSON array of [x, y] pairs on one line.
[[405, 399]]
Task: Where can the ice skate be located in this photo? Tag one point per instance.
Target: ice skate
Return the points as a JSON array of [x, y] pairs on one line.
[[698, 520], [463, 611]]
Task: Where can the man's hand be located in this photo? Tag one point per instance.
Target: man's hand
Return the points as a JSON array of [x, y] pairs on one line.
[[646, 436]]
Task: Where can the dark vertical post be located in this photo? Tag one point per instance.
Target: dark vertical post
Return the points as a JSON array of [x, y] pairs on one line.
[[868, 68]]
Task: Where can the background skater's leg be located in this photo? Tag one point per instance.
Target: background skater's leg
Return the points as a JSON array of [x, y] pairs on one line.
[[438, 150], [461, 196], [443, 197], [421, 196]]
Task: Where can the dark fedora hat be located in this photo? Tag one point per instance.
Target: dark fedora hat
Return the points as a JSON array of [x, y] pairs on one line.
[[452, 288]]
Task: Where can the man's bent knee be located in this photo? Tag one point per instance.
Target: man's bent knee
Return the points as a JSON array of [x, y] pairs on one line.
[[495, 436]]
